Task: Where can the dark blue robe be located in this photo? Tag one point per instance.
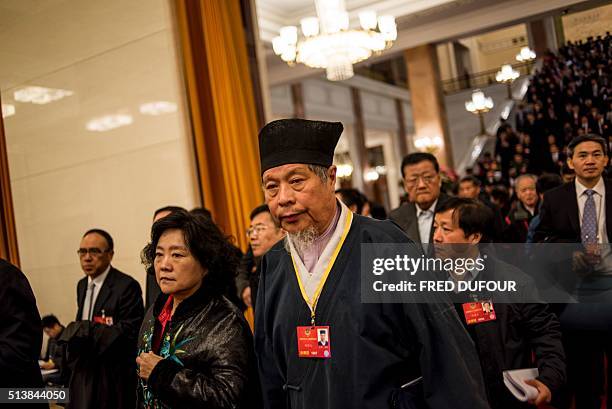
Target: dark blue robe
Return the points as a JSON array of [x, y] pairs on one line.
[[376, 348]]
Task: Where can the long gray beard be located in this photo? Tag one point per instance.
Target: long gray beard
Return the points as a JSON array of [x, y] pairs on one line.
[[302, 240]]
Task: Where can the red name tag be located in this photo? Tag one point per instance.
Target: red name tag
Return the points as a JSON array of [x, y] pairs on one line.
[[478, 312], [103, 320], [313, 342]]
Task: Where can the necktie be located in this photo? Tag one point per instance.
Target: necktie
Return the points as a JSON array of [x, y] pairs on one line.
[[91, 289], [588, 230]]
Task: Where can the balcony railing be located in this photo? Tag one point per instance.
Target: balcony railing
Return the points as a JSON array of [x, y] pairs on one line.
[[480, 79]]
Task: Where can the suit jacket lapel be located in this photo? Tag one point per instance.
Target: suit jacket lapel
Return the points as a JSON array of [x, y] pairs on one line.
[[572, 203], [412, 224], [81, 297], [608, 209], [105, 291]]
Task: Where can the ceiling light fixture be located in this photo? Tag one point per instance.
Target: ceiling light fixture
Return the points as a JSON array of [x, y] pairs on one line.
[[40, 95], [428, 144], [157, 108], [109, 122], [344, 170], [371, 175], [328, 42], [8, 110]]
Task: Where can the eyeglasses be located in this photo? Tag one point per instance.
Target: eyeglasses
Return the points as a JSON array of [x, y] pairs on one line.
[[94, 252], [427, 179], [256, 229]]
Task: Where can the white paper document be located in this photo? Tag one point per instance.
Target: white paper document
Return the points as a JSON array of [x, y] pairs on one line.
[[515, 382]]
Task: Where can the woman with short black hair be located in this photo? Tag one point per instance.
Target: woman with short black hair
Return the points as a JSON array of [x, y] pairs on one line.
[[195, 348]]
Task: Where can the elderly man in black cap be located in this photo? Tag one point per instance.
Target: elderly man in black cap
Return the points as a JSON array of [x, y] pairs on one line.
[[310, 282]]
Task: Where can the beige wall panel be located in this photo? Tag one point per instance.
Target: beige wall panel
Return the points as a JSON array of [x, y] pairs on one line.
[[66, 179], [594, 22]]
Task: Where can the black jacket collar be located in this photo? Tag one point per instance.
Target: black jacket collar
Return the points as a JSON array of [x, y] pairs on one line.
[[198, 299]]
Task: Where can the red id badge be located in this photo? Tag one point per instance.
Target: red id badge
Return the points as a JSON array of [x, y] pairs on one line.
[[478, 312], [103, 320], [313, 342]]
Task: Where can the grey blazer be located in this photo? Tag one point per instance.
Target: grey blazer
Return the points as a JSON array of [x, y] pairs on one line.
[[405, 217]]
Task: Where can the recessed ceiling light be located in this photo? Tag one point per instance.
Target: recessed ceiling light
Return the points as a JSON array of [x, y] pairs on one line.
[[8, 110], [109, 122], [157, 108], [40, 95]]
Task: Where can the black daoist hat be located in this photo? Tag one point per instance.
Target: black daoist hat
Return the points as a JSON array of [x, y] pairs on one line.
[[298, 141]]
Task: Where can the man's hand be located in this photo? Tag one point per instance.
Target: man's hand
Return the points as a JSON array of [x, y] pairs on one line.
[[47, 365], [146, 362], [582, 263], [544, 394], [246, 296]]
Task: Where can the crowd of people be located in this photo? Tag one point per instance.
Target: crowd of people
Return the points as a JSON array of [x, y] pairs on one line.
[[568, 96], [313, 342]]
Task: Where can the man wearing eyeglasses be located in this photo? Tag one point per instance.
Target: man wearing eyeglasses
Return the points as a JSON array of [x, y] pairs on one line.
[[422, 182], [263, 233], [102, 343]]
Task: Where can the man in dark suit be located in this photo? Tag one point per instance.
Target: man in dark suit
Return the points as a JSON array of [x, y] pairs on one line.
[[102, 343], [54, 358], [506, 333], [422, 182], [581, 212], [470, 188], [263, 233], [20, 332]]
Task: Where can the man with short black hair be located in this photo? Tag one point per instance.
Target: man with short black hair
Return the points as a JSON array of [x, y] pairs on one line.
[[470, 188], [567, 173], [506, 334], [546, 182], [102, 342], [581, 212], [422, 182], [352, 198], [263, 233], [54, 358]]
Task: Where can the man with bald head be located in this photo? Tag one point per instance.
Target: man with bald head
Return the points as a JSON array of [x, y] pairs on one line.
[[523, 210], [375, 355]]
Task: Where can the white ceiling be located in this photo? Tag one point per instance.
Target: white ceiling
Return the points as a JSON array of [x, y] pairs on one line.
[[38, 37], [419, 22], [274, 14]]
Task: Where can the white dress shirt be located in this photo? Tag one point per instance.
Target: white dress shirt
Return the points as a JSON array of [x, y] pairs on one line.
[[605, 267], [425, 219], [600, 206], [98, 281]]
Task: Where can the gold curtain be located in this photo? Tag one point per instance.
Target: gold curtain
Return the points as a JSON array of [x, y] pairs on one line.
[[223, 111], [8, 235]]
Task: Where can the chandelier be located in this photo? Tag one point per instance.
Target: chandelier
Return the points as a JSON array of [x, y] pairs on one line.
[[526, 54], [328, 42]]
